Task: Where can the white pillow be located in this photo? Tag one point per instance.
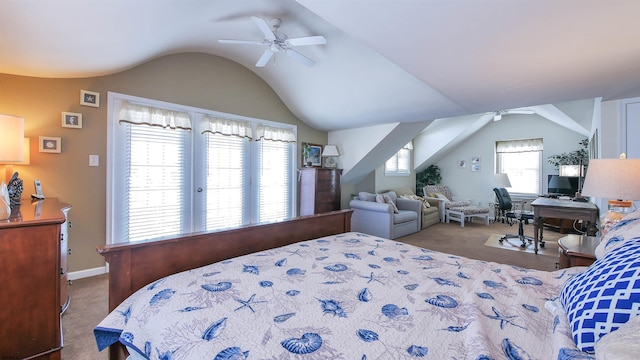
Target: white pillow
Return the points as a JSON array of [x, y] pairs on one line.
[[622, 344]]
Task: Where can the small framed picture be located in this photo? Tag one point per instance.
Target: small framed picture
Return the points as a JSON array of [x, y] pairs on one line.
[[89, 98], [462, 164], [72, 120], [475, 167], [311, 155], [48, 144], [475, 160]]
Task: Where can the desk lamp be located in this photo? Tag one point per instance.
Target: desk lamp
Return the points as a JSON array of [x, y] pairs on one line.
[[615, 179]]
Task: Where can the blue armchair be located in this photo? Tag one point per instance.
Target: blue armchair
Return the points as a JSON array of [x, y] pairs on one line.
[[380, 219]]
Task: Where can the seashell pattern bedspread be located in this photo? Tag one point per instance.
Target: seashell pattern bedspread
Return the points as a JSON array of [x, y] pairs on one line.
[[347, 296]]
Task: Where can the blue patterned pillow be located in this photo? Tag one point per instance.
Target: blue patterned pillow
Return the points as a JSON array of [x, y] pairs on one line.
[[605, 296]]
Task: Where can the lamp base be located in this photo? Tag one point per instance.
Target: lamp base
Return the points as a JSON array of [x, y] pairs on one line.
[[618, 209], [329, 163], [15, 188]]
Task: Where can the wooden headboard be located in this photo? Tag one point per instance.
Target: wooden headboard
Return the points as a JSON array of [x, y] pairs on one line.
[[133, 265]]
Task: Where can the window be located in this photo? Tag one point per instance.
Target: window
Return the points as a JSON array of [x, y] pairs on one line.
[[521, 160], [400, 163], [176, 170]]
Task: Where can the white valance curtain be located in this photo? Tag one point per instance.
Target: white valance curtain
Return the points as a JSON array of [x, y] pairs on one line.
[[513, 146], [227, 127], [152, 116], [264, 132]]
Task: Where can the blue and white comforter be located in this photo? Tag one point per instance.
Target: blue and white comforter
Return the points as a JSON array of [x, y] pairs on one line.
[[348, 296]]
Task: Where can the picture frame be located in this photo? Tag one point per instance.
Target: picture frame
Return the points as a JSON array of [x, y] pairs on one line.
[[475, 167], [475, 159], [89, 98], [462, 164], [72, 120], [50, 144], [315, 155]]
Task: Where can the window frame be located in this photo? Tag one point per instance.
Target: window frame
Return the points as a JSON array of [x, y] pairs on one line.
[[196, 172], [397, 156], [540, 169]]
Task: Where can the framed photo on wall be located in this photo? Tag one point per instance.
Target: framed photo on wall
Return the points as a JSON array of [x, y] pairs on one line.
[[49, 144], [462, 164], [89, 98], [72, 120]]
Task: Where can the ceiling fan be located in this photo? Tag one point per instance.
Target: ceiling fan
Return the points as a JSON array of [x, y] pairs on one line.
[[497, 115], [277, 41]]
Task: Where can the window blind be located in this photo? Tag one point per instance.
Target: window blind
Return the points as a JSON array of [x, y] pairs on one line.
[[274, 186], [521, 160], [226, 178], [157, 172]]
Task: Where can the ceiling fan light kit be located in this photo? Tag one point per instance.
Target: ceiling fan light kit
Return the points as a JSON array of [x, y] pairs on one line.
[[277, 41]]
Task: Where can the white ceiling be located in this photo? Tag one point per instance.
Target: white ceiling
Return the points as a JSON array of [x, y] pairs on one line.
[[385, 60]]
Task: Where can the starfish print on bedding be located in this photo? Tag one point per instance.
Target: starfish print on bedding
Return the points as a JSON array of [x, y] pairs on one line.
[[248, 303], [297, 252], [504, 319], [372, 278]]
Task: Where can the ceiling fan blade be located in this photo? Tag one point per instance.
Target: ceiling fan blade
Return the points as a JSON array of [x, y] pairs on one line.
[[522, 112], [301, 58], [243, 42], [309, 40], [264, 59], [264, 27]]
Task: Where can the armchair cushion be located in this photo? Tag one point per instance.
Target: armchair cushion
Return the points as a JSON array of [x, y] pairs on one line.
[[386, 199]]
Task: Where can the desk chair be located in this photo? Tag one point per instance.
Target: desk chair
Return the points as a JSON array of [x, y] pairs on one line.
[[511, 215]]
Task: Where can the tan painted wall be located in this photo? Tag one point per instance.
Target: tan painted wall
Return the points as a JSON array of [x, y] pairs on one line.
[[192, 79]]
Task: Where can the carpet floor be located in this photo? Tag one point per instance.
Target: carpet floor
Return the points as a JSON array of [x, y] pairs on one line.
[[89, 296]]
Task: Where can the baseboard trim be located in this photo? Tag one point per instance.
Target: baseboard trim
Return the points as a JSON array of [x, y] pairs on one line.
[[75, 275]]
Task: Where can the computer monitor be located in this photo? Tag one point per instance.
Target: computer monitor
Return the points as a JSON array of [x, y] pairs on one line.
[[571, 191]]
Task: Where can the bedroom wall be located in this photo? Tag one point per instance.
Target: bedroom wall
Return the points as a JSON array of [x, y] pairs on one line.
[[193, 79], [477, 185]]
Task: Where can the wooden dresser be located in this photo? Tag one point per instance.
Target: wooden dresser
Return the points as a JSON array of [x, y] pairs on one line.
[[319, 190], [34, 279]]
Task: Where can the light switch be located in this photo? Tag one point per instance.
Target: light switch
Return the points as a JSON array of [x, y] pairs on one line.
[[94, 160]]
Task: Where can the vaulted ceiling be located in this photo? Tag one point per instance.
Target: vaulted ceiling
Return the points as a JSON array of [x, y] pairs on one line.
[[385, 61]]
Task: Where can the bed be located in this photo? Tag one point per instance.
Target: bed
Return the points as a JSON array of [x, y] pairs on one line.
[[350, 295]]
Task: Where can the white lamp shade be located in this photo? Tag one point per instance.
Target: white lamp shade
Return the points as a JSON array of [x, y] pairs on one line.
[[27, 155], [330, 150], [613, 179], [11, 138], [501, 180]]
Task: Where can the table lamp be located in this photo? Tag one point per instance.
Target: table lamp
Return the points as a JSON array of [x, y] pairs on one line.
[[501, 180], [330, 152], [617, 180], [11, 149]]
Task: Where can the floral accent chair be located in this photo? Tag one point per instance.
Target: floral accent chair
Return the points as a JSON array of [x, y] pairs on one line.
[[455, 208]]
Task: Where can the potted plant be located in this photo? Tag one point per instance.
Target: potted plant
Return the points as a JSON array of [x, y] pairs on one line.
[[430, 176], [577, 157]]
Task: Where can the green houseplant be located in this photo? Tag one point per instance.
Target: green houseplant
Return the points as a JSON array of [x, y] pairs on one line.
[[577, 157], [429, 176]]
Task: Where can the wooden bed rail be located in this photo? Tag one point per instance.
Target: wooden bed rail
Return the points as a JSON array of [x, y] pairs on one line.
[[133, 265]]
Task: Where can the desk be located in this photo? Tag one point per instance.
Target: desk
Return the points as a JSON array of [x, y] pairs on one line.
[[562, 209]]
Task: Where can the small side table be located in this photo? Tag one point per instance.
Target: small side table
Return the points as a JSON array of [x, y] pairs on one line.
[[577, 250]]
